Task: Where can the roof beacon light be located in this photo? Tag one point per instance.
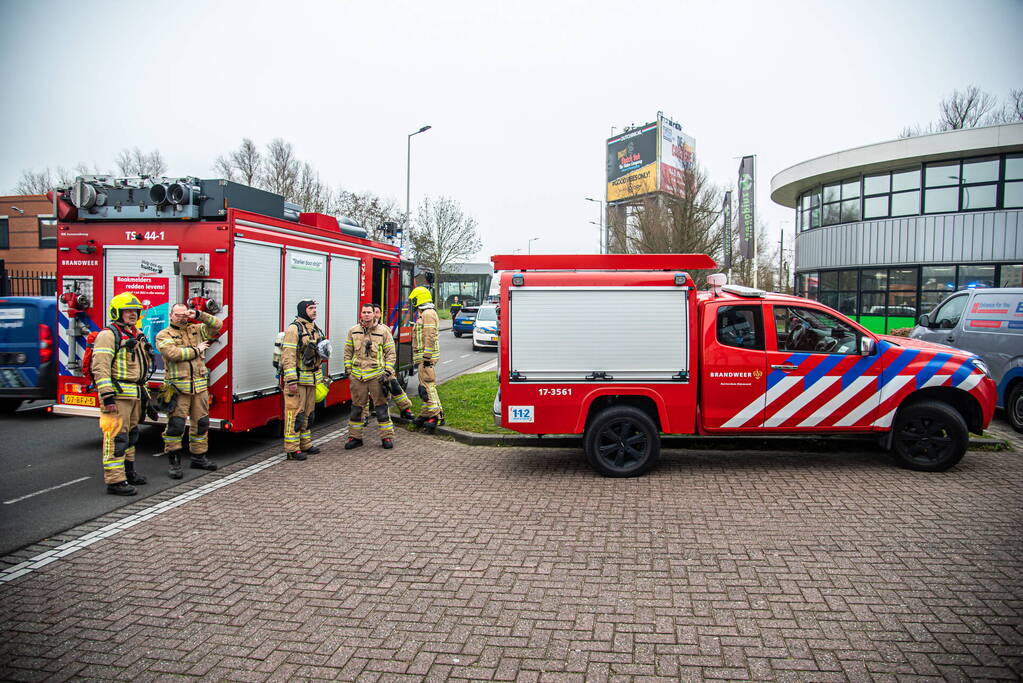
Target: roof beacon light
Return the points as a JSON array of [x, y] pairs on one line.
[[716, 282], [748, 292]]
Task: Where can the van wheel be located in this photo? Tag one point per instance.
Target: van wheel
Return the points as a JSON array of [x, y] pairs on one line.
[[458, 334], [1014, 407], [929, 436], [622, 441]]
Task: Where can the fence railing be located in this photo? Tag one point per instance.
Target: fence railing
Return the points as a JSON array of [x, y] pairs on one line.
[[27, 283]]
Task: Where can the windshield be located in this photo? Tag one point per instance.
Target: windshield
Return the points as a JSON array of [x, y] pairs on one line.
[[487, 315]]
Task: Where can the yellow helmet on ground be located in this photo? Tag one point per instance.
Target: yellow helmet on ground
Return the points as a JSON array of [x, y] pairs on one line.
[[420, 296], [124, 302]]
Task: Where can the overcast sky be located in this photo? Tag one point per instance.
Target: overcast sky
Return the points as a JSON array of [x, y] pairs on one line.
[[521, 95]]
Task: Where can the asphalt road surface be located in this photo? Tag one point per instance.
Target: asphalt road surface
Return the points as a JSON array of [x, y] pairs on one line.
[[52, 479]]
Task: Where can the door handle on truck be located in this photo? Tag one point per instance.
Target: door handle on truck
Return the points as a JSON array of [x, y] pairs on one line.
[[784, 367], [950, 339]]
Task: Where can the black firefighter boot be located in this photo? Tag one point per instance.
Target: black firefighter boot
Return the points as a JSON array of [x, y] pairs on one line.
[[430, 424], [201, 462], [134, 478], [121, 488], [174, 459]]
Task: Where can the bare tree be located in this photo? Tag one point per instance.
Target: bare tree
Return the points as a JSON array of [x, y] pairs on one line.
[[243, 165], [280, 169], [443, 235], [964, 109], [669, 224], [32, 182], [1011, 110], [132, 162], [41, 182], [370, 210], [916, 131], [311, 193]]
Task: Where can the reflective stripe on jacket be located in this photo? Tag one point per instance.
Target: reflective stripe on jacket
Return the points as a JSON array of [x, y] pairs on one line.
[[424, 336], [369, 352], [185, 366], [119, 375], [298, 364]]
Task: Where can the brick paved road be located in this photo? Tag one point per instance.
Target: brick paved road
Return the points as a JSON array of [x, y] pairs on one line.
[[442, 560]]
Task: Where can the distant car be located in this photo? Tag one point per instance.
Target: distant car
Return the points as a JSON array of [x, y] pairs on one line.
[[28, 350], [989, 323], [485, 333], [462, 324]]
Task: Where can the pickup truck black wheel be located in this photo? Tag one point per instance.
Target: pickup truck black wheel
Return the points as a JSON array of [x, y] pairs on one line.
[[622, 441], [9, 405], [1014, 407], [457, 333], [929, 436]]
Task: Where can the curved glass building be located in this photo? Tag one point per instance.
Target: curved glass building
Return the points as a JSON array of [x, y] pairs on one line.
[[886, 231]]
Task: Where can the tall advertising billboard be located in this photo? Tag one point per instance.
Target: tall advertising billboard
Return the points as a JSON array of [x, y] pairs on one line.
[[632, 163], [747, 209], [676, 154]]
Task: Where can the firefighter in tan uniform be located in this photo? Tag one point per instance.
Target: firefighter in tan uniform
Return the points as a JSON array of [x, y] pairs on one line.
[[121, 367], [300, 373], [425, 354], [182, 346], [392, 390], [369, 361]]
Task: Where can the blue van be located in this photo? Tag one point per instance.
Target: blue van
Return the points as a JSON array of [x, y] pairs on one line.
[[28, 350]]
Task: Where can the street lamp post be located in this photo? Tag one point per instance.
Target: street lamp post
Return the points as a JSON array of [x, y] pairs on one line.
[[408, 182], [601, 248], [529, 245]]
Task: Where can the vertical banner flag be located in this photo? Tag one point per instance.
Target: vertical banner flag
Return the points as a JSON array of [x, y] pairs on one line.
[[726, 231], [747, 231]]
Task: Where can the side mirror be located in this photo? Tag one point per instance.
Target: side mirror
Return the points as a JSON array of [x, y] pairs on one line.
[[867, 346], [924, 320]]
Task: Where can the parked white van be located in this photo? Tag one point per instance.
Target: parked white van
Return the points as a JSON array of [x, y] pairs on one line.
[[989, 323]]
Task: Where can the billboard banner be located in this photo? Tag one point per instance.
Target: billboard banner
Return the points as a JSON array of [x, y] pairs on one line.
[[747, 208], [726, 232], [632, 163], [676, 155]]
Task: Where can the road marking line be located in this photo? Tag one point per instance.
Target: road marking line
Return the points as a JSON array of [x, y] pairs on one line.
[[65, 549], [465, 355], [447, 361], [52, 488]]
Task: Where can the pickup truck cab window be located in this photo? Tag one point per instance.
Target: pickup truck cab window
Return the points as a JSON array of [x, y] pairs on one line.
[[741, 326], [809, 330]]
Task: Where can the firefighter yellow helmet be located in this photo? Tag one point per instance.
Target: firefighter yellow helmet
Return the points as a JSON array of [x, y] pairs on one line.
[[124, 302], [420, 296], [321, 391]]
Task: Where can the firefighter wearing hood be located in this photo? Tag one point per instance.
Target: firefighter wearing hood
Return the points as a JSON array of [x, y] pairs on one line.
[[300, 373], [426, 354], [183, 345]]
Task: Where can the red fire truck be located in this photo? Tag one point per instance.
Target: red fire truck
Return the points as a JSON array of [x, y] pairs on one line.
[[242, 254], [622, 348]]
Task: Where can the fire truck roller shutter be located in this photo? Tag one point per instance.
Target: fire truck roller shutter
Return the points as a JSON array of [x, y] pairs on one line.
[[344, 303], [255, 313], [644, 335], [148, 273]]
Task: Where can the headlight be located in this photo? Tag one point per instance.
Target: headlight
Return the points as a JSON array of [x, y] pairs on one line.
[[982, 366]]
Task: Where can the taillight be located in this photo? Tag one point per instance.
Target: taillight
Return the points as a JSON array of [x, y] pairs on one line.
[[45, 344]]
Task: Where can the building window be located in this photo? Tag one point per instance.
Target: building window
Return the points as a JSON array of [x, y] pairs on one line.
[[902, 300], [936, 282], [5, 233], [976, 277], [1011, 276], [838, 290], [874, 291], [47, 232], [1013, 191]]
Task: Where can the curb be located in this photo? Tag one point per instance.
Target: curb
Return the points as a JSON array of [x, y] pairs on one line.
[[720, 443]]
